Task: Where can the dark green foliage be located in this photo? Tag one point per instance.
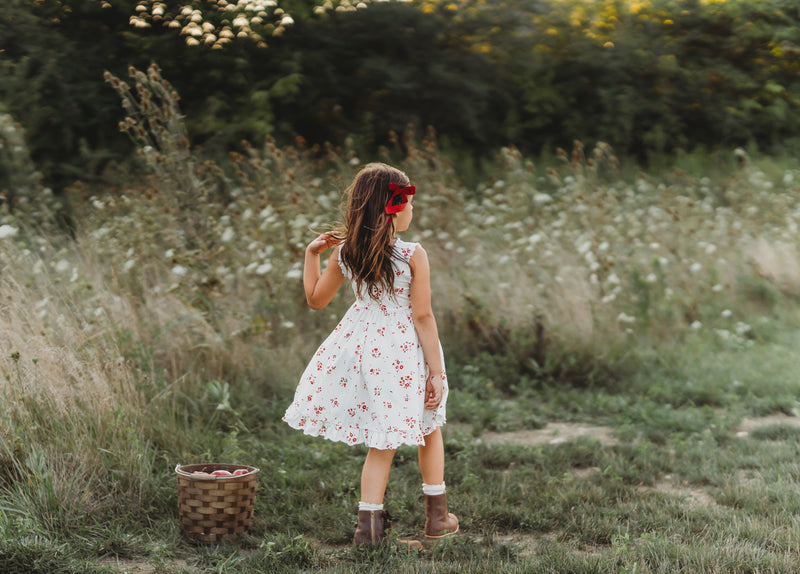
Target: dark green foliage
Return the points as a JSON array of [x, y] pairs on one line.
[[667, 76]]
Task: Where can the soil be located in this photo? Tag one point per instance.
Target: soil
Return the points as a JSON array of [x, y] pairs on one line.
[[553, 433]]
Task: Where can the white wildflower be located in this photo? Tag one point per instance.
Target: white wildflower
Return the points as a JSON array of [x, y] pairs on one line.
[[294, 273], [726, 313], [169, 253], [651, 278], [179, 270], [7, 231], [300, 222], [695, 267], [129, 264], [264, 268], [227, 235], [62, 265], [287, 325], [696, 325], [541, 199], [623, 318], [584, 247], [717, 288], [100, 233]]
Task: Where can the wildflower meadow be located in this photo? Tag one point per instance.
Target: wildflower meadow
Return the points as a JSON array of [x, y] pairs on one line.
[[621, 346]]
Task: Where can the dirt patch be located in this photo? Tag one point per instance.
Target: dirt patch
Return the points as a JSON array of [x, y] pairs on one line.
[[553, 433], [126, 566], [748, 425], [692, 497]]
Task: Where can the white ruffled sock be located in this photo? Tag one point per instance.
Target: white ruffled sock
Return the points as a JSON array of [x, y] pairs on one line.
[[369, 506], [433, 489]]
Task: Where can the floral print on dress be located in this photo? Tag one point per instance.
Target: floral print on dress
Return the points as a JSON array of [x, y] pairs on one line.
[[366, 382]]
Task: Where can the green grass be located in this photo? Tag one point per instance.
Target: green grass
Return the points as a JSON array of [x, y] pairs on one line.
[[678, 492]]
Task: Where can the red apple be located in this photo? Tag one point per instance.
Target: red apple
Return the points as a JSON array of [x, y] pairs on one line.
[[221, 473], [240, 471]]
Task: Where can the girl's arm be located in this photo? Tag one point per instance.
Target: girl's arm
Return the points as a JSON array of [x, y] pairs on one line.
[[425, 324], [321, 287]]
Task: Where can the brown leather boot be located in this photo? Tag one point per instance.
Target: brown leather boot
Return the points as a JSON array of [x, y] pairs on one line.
[[439, 523], [373, 529]]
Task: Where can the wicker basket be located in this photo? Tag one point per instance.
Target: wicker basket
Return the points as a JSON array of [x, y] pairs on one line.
[[215, 508]]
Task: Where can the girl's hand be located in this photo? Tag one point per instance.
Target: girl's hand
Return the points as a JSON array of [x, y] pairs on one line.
[[323, 242], [433, 391]]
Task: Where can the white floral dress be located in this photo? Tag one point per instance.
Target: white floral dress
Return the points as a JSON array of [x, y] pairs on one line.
[[366, 382]]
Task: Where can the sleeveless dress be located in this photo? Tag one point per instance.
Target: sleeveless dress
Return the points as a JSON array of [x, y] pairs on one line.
[[366, 382]]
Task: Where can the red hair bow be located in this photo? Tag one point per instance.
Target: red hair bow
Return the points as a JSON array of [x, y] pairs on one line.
[[403, 192]]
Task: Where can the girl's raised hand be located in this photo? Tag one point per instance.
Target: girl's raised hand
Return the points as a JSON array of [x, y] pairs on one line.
[[324, 242], [433, 392]]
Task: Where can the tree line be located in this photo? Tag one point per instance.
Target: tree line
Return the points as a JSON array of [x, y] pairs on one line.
[[646, 76]]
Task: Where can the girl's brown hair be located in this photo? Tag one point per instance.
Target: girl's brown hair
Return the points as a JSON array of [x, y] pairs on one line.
[[367, 248]]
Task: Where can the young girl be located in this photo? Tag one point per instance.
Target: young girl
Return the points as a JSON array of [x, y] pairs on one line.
[[378, 379]]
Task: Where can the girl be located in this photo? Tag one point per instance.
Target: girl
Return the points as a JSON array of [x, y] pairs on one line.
[[378, 379]]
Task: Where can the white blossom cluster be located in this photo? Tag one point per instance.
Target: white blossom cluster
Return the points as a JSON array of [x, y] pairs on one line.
[[214, 23]]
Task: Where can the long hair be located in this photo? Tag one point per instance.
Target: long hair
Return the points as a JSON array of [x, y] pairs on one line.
[[367, 249]]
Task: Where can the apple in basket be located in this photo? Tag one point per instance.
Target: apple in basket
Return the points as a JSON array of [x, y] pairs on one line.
[[240, 471]]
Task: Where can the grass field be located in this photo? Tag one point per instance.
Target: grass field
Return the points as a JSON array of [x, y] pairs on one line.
[[621, 348], [691, 468]]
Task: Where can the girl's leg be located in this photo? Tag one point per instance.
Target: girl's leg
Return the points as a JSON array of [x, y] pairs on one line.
[[438, 521], [431, 458], [375, 475], [373, 526]]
